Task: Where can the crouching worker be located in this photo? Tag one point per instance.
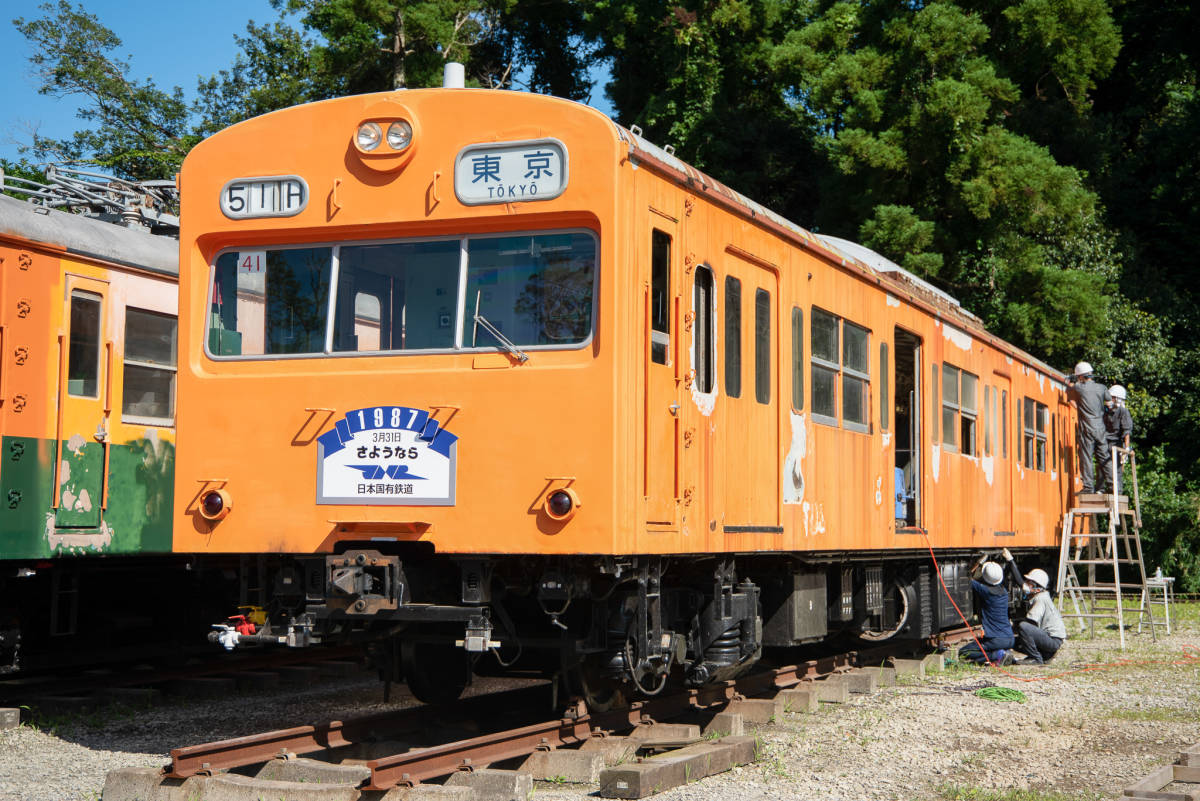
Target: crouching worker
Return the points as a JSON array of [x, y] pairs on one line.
[[992, 598], [1042, 631]]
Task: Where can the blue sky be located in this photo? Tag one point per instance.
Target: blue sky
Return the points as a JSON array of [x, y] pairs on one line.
[[172, 41]]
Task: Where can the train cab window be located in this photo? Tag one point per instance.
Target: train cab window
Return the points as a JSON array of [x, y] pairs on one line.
[[270, 302], [536, 290], [705, 358], [83, 355], [762, 346], [148, 388], [797, 359], [660, 297], [399, 296], [733, 337], [1035, 434]]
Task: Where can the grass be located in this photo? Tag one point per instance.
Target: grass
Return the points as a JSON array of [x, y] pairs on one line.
[[1165, 714]]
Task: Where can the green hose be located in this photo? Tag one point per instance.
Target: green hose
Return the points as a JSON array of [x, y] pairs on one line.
[[1001, 694]]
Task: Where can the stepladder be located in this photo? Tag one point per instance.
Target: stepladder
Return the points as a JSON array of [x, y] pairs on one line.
[[1100, 558]]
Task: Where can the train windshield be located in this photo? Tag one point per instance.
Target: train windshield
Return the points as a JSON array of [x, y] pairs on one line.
[[470, 293]]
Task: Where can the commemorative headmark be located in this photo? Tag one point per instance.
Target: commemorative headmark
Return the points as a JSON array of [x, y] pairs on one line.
[[387, 455], [511, 172]]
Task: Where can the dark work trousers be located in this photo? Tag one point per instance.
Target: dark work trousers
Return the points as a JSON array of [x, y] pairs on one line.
[[1104, 474], [1092, 446], [1040, 646], [970, 651]]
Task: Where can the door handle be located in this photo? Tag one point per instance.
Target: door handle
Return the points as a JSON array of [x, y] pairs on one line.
[[673, 409]]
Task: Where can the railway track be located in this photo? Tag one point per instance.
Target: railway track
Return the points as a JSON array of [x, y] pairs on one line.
[[379, 752]]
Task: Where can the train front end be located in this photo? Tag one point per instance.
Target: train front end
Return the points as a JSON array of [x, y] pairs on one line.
[[394, 363]]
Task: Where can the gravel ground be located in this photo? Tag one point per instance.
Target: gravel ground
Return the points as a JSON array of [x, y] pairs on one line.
[[1079, 735]]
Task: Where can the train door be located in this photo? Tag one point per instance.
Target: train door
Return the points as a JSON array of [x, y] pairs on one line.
[[1003, 452], [662, 376], [748, 330], [907, 473], [84, 402]]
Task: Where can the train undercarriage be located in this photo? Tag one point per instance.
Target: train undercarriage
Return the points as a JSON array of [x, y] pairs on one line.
[[606, 628]]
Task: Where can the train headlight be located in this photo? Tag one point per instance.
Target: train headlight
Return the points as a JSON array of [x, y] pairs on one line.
[[215, 505], [399, 135], [562, 504], [368, 137]]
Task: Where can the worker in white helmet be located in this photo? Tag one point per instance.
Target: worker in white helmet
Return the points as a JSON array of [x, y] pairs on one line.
[[992, 598], [1042, 632], [1089, 398], [1118, 429]]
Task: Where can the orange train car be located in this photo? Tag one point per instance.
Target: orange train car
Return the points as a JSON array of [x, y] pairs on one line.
[[503, 384]]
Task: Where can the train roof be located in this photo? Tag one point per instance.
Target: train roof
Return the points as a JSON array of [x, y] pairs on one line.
[[849, 254], [92, 238]]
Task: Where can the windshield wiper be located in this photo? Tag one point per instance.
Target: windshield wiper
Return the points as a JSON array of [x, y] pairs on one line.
[[504, 341]]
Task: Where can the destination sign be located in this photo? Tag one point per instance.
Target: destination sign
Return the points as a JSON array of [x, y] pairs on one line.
[[511, 172], [271, 196]]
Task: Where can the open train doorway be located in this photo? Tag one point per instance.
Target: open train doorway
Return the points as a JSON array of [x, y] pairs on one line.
[[908, 429]]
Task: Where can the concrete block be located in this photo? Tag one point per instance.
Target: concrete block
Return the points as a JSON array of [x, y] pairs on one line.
[[233, 787], [861, 682], [201, 687], [564, 765], [799, 699], [256, 681], [757, 710], [148, 784], [313, 770], [666, 731], [832, 690], [10, 717], [885, 676], [429, 792], [1191, 756], [494, 785], [338, 669], [131, 696], [674, 769], [934, 663], [725, 724], [297, 675], [614, 750], [909, 667], [64, 704]]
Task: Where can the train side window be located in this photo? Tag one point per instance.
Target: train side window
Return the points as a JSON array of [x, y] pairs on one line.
[[733, 337], [1040, 432], [950, 407], [883, 386], [968, 401], [1004, 423], [660, 296], [83, 355], [762, 346], [987, 420], [856, 377], [148, 388], [1036, 415], [825, 365], [797, 359], [705, 329], [1054, 442], [935, 403]]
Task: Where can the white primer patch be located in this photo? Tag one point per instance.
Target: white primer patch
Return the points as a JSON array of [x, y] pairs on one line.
[[68, 540], [793, 464], [892, 300], [960, 339], [1054, 475], [1041, 379], [85, 501], [887, 438], [64, 472], [936, 462], [1007, 359], [878, 490], [75, 444], [814, 519], [988, 463]]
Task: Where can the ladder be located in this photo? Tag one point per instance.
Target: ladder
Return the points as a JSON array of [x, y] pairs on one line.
[[1096, 566]]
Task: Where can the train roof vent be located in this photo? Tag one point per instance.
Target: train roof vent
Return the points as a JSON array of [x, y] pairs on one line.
[[882, 264]]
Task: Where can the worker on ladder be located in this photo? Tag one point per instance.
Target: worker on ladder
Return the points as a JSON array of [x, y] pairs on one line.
[[1089, 399], [1118, 428]]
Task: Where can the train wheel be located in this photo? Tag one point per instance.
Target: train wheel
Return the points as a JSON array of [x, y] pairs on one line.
[[436, 673], [599, 691]]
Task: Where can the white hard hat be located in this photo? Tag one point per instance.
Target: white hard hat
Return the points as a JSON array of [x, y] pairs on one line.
[[1038, 576], [1117, 391], [1082, 369], [993, 573]]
